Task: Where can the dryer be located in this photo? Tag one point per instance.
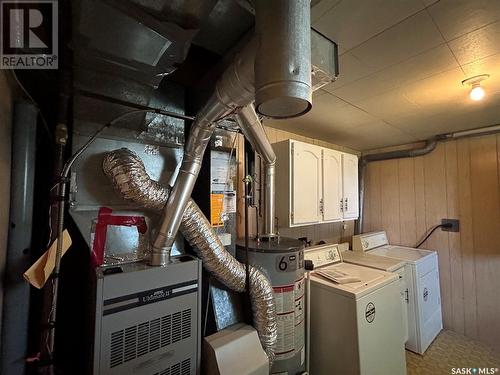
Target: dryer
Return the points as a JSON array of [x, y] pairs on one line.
[[354, 325], [422, 275]]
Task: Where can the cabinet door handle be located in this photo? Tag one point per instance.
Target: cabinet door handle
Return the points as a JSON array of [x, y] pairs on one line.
[[341, 205], [345, 204]]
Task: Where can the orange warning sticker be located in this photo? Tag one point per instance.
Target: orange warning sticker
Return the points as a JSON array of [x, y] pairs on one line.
[[216, 209]]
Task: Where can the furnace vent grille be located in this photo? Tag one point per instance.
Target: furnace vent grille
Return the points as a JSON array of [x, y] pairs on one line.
[[181, 368], [136, 341]]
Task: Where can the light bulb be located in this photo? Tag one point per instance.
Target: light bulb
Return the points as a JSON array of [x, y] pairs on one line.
[[477, 92]]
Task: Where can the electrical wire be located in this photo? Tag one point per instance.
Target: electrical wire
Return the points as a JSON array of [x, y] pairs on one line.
[[63, 180], [430, 232]]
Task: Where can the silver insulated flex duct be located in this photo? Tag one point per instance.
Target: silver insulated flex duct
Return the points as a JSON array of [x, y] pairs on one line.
[[254, 132], [126, 170], [278, 59]]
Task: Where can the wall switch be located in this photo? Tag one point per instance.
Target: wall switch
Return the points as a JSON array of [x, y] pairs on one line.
[[455, 225]]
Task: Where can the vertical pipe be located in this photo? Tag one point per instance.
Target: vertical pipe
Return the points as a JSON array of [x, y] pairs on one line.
[[254, 132], [234, 89], [17, 291], [281, 69]]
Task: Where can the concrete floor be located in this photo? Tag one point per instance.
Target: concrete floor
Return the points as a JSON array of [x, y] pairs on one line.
[[452, 353]]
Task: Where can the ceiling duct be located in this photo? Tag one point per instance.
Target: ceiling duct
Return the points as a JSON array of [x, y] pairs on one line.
[[285, 93], [324, 60], [283, 59]]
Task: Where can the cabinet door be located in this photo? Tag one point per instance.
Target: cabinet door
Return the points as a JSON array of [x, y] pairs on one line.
[[332, 185], [350, 186], [306, 183]]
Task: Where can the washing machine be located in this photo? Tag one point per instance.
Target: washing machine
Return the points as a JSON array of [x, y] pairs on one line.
[[422, 274], [397, 266], [354, 317]]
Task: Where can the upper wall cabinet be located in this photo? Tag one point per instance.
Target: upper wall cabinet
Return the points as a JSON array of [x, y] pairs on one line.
[[314, 184]]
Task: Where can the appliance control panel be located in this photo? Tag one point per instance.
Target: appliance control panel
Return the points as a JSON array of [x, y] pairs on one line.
[[323, 255], [368, 241]]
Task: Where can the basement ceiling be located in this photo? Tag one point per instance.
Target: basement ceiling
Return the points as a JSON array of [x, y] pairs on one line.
[[401, 67]]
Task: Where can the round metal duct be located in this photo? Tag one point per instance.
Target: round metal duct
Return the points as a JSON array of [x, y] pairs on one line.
[[283, 59]]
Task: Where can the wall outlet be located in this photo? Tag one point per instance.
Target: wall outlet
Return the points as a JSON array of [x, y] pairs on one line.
[[455, 225]]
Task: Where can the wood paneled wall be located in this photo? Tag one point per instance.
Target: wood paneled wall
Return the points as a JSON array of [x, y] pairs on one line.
[[333, 232], [459, 179]]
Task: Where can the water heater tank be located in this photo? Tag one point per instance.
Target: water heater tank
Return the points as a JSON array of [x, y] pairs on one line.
[[282, 261]]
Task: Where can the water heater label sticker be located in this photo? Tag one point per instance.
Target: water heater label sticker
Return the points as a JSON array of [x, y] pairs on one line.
[[299, 288], [299, 311], [284, 299], [285, 347], [299, 337]]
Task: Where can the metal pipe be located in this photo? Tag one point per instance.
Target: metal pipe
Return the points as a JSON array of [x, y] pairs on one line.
[[283, 60], [16, 297], [233, 90], [429, 146], [283, 70], [60, 223], [126, 170], [475, 132], [252, 129]]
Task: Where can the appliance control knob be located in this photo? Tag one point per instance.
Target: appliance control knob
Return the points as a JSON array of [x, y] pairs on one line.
[[308, 265]]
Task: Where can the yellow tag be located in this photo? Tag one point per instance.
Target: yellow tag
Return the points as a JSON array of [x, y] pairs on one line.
[[216, 209]]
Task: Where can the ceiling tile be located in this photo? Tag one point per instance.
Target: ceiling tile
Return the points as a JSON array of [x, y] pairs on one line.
[[321, 7], [461, 118], [437, 90], [477, 44], [429, 2], [390, 104], [350, 23], [329, 114], [350, 69], [409, 38], [369, 136], [429, 63], [458, 17]]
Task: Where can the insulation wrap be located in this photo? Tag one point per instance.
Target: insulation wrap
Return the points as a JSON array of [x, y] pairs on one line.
[[129, 176]]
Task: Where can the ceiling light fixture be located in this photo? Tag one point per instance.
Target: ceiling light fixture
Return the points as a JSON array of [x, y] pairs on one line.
[[476, 92]]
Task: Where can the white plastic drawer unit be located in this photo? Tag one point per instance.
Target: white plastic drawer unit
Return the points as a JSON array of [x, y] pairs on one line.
[[314, 184]]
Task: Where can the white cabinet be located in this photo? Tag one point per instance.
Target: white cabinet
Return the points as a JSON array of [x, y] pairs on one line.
[[306, 184], [332, 200], [314, 184], [350, 186]]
